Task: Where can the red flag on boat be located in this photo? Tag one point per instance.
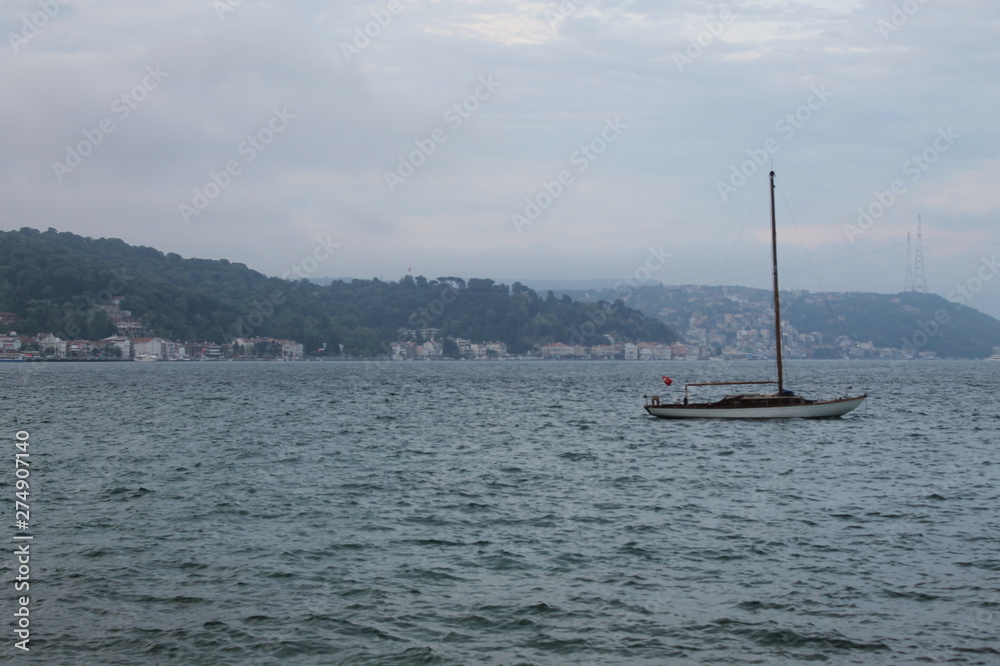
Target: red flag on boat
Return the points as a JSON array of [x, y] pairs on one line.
[[668, 381]]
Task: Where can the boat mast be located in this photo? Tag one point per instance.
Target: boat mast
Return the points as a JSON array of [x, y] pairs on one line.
[[777, 306]]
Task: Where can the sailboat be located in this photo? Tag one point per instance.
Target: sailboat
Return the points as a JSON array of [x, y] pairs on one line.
[[783, 404]]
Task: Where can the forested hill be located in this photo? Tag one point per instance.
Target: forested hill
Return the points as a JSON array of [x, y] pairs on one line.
[[926, 322], [57, 282]]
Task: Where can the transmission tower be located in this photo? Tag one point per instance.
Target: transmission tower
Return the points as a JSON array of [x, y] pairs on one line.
[[908, 280], [919, 280]]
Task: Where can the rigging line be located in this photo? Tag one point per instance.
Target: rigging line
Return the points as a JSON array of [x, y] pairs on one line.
[[801, 240], [737, 241], [832, 259], [825, 298]]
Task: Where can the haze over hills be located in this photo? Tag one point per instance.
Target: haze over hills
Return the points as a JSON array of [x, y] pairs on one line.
[[56, 282], [830, 324], [838, 324], [59, 282]]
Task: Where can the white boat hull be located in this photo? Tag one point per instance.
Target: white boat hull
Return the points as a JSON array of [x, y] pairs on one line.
[[822, 409]]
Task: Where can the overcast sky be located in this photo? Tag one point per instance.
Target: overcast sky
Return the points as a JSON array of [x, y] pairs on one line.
[[516, 139]]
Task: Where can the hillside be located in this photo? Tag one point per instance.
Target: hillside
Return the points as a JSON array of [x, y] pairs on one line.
[[62, 283], [920, 322]]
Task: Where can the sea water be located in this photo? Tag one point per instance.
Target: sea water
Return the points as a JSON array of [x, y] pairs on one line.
[[501, 513]]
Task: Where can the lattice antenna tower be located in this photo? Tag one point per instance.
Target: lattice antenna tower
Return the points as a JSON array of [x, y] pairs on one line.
[[908, 280], [919, 279]]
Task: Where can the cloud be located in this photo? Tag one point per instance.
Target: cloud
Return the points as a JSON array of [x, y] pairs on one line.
[[369, 82]]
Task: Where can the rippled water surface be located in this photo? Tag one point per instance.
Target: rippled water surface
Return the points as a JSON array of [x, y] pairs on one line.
[[504, 513]]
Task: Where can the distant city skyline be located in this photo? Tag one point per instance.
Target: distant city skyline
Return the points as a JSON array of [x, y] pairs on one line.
[[517, 139]]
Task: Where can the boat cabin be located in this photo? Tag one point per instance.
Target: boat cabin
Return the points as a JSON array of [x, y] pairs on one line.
[[759, 400]]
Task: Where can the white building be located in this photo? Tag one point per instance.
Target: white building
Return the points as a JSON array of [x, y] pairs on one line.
[[9, 343], [429, 350], [561, 350], [51, 345], [291, 351], [155, 347], [176, 351], [496, 349], [122, 343]]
